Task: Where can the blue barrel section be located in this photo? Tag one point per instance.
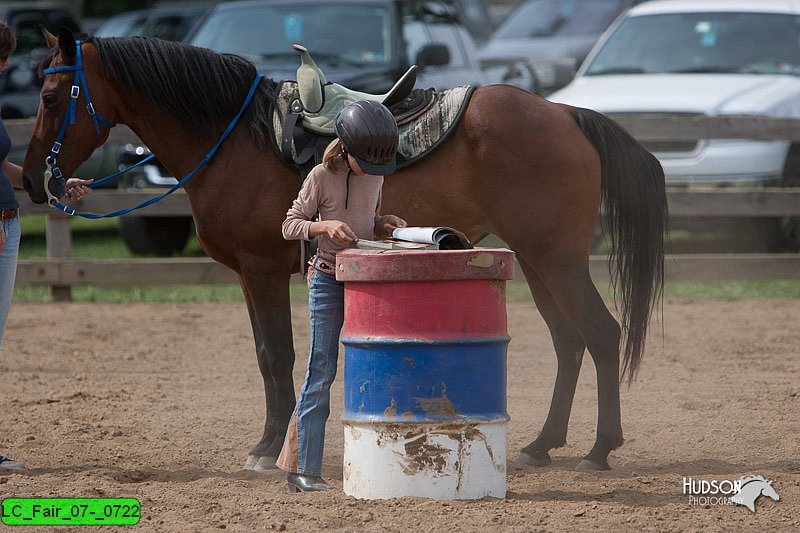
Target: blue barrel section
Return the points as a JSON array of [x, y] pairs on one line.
[[425, 381]]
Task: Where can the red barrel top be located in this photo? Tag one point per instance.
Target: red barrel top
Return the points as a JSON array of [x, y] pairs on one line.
[[424, 265]]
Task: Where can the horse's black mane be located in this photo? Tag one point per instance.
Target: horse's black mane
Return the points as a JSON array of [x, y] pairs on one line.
[[201, 88]]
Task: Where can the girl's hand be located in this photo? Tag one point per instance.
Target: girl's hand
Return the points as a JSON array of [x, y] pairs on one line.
[[337, 230], [389, 223], [2, 239], [77, 187]]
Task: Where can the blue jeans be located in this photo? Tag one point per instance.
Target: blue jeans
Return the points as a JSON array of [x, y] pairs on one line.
[[8, 270], [305, 438]]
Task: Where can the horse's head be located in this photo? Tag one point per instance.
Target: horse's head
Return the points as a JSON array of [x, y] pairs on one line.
[[67, 128]]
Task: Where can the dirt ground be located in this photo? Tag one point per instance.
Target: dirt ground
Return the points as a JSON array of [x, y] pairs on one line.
[[163, 402]]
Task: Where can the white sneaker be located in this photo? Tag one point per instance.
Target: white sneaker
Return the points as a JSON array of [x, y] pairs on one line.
[[10, 464]]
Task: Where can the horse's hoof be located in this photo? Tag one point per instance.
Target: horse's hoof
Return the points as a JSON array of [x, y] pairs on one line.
[[592, 466], [259, 464], [537, 459]]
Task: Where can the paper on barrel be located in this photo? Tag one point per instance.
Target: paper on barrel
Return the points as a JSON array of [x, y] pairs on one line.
[[420, 238]]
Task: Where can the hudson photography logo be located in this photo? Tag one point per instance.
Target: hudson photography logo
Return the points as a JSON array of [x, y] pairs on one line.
[[744, 491]]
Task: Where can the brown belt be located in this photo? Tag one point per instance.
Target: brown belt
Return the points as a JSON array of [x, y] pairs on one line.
[[8, 214]]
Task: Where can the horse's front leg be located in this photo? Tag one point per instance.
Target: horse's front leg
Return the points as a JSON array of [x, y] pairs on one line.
[[267, 298]]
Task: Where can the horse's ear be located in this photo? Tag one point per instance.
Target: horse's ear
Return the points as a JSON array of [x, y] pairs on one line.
[[50, 39], [66, 44]]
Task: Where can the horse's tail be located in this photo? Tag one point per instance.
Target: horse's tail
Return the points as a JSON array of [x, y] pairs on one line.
[[635, 203]]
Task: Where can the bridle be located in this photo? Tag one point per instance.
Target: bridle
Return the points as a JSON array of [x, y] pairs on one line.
[[51, 161]]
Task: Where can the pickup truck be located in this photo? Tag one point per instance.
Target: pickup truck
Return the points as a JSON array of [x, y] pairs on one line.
[[365, 45]]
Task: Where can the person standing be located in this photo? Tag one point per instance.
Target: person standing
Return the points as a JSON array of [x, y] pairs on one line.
[[10, 179], [345, 190]]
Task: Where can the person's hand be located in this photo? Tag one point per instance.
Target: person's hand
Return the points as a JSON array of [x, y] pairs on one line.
[[338, 231], [2, 239], [77, 187], [389, 223]]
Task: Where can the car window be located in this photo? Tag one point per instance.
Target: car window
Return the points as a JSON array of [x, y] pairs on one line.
[[29, 36], [120, 26], [474, 14], [415, 37], [702, 42], [445, 34], [58, 18], [167, 27], [544, 18], [332, 34]]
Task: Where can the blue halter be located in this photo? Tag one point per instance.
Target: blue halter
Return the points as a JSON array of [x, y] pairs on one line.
[[52, 160], [69, 118]]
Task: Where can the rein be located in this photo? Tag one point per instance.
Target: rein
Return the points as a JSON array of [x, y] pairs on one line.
[[51, 161]]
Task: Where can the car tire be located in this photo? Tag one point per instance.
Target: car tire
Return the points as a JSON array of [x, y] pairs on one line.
[[160, 236], [789, 227]]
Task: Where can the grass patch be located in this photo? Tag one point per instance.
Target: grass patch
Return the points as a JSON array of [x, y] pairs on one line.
[[96, 239], [734, 290]]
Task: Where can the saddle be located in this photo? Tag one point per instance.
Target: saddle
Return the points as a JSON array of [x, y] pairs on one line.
[[319, 101], [306, 110]]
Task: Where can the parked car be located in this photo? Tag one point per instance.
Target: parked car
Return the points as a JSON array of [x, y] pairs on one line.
[[554, 36], [712, 58], [172, 22], [365, 45], [19, 82]]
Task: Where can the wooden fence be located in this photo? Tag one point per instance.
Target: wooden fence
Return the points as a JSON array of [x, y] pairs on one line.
[[60, 272]]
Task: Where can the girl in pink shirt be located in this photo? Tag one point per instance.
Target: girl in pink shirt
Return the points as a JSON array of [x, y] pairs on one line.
[[345, 190]]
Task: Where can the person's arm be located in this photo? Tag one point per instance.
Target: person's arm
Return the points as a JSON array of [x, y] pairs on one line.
[[298, 218], [76, 187], [298, 224], [14, 173], [337, 230]]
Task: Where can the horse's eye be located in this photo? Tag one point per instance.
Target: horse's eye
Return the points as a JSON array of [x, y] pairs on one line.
[[49, 99]]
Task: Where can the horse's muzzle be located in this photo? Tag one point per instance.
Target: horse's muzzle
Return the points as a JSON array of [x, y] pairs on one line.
[[36, 196]]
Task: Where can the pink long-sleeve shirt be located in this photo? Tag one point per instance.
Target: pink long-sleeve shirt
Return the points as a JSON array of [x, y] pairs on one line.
[[326, 193]]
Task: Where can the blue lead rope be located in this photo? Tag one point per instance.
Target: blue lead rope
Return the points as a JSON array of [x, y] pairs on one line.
[[68, 210], [99, 182]]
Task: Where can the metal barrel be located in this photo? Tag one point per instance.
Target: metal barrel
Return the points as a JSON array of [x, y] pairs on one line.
[[425, 337]]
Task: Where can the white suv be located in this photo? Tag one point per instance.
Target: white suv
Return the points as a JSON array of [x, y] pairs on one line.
[[705, 57]]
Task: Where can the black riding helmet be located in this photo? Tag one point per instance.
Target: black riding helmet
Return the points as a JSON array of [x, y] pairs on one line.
[[368, 132]]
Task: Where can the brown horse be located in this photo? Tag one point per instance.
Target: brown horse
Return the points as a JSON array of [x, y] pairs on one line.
[[518, 166]]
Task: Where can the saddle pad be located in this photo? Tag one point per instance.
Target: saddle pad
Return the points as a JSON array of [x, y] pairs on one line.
[[417, 137], [428, 130]]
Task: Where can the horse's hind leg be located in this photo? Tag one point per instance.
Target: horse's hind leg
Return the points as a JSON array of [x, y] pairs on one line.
[[569, 349], [572, 289], [267, 298]]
